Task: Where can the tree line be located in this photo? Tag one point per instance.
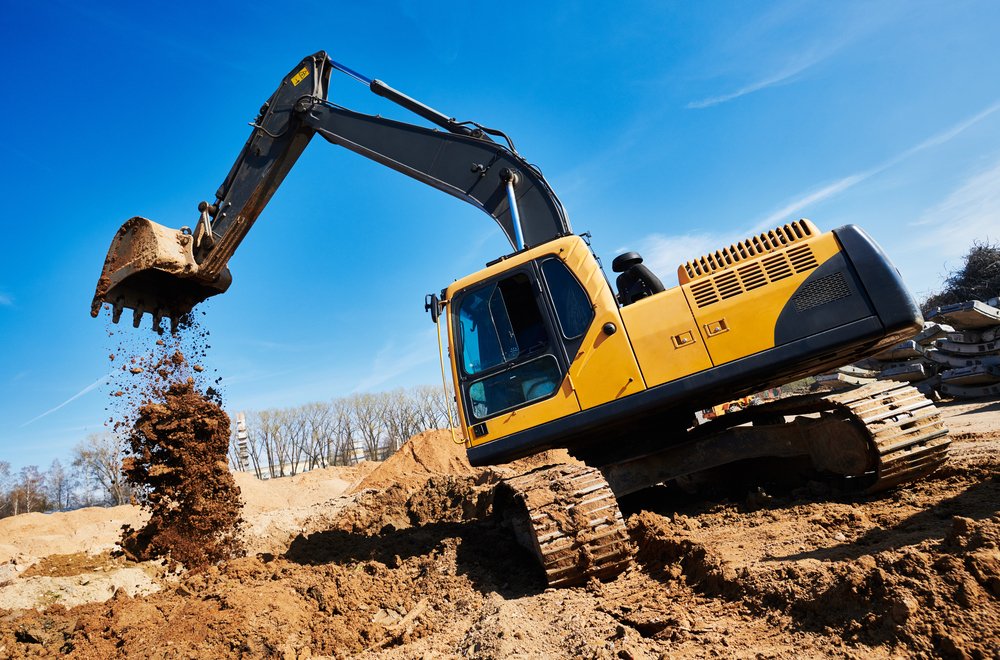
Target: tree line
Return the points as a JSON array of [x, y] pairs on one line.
[[92, 478], [277, 442], [369, 426]]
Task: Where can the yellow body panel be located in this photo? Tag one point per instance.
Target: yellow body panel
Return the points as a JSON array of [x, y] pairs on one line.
[[605, 367], [665, 337], [737, 309], [719, 316]]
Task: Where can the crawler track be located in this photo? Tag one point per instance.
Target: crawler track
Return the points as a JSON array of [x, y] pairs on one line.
[[906, 436], [568, 516], [909, 440]]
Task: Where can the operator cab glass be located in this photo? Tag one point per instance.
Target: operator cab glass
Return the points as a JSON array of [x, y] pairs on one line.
[[505, 346], [514, 340]]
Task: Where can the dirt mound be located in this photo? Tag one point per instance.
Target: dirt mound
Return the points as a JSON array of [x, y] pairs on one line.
[[436, 453], [439, 498], [335, 594], [29, 536], [425, 454], [302, 490], [929, 584], [415, 570]]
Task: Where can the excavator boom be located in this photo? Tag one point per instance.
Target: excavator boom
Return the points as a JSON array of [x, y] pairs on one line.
[[166, 272]]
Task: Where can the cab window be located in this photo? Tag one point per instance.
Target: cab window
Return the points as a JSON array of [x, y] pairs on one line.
[[535, 379], [506, 349], [570, 300], [499, 323]]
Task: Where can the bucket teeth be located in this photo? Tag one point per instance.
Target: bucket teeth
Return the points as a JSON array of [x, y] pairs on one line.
[[151, 268], [159, 313]]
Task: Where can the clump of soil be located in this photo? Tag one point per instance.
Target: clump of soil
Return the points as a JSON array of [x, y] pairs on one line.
[[178, 468], [176, 437]]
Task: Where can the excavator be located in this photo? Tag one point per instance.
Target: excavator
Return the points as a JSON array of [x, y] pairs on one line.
[[546, 353]]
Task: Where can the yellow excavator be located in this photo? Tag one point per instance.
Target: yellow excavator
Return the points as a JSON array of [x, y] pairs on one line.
[[545, 353]]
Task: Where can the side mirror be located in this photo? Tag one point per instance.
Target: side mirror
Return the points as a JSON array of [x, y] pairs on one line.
[[433, 305]]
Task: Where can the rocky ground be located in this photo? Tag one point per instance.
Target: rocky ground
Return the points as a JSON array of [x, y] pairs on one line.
[[399, 560]]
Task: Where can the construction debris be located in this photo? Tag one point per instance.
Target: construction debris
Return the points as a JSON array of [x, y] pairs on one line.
[[957, 354]]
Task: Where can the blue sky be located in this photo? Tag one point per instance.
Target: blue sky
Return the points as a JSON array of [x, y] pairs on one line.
[[668, 127]]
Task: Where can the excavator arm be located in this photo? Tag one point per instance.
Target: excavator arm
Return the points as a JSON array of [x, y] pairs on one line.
[[151, 268]]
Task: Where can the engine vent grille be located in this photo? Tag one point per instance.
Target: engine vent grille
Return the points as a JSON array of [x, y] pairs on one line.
[[772, 268], [755, 246], [824, 290]]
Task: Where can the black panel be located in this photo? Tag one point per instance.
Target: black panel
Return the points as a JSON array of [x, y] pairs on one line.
[[830, 297], [881, 280]]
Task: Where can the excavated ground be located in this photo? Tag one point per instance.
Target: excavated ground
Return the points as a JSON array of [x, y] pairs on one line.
[[393, 560]]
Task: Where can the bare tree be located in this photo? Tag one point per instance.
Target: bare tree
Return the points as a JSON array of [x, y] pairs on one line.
[[99, 460], [344, 451], [29, 491], [283, 442], [320, 427], [369, 410], [445, 407], [60, 486], [427, 407], [401, 418], [6, 503], [270, 437]]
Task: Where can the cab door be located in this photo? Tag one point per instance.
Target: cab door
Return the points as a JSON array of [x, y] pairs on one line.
[[603, 366], [512, 373], [538, 342]]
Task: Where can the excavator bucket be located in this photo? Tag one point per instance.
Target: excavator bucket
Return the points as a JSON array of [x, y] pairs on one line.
[[151, 268]]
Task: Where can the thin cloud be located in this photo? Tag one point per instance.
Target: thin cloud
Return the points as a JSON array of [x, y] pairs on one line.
[[782, 78], [847, 182], [968, 213], [97, 383], [663, 254], [783, 214], [6, 300], [944, 232], [976, 205], [392, 361]]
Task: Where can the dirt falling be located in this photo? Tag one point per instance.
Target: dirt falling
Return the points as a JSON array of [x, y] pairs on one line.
[[176, 436]]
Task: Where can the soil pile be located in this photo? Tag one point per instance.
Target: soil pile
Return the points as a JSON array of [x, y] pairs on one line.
[[422, 456]]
